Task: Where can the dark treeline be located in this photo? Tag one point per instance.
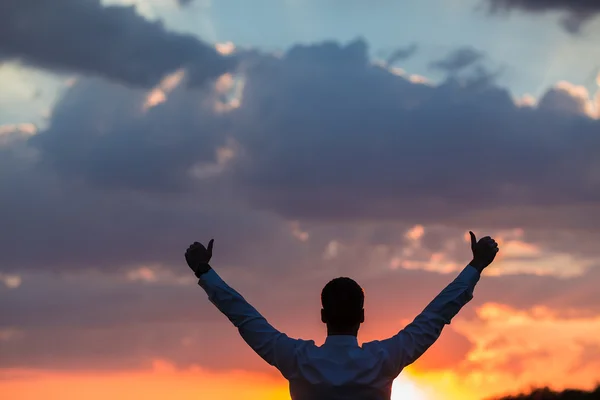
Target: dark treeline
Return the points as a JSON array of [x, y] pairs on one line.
[[548, 394]]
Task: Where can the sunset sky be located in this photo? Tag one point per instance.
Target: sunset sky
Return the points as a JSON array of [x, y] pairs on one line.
[[311, 139]]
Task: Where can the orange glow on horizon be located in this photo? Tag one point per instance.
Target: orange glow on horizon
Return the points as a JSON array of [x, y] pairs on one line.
[[165, 381]]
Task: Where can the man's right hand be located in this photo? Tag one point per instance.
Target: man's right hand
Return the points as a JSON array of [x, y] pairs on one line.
[[484, 251]]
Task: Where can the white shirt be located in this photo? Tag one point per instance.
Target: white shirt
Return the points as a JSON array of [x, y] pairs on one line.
[[340, 368]]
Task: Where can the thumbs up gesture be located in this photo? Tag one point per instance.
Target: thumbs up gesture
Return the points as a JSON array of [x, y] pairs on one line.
[[198, 257], [484, 251]]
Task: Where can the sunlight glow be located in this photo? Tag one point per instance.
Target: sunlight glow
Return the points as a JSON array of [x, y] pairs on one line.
[[581, 93], [9, 133], [27, 129], [11, 281], [420, 79], [404, 389], [230, 91], [225, 49], [526, 101], [158, 95]]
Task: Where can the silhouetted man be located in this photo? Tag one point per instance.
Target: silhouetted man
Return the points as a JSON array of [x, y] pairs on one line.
[[340, 368]]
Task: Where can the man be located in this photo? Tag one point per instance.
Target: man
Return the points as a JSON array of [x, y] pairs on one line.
[[340, 368]]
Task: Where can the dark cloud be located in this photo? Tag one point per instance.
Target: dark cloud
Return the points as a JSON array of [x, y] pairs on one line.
[[402, 54], [324, 136], [96, 121], [77, 227], [353, 142], [458, 60], [578, 11], [330, 53], [113, 41]]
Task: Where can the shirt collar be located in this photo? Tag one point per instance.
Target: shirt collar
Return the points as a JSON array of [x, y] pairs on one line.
[[341, 340]]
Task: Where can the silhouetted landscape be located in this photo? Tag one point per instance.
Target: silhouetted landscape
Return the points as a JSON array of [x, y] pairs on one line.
[[549, 394]]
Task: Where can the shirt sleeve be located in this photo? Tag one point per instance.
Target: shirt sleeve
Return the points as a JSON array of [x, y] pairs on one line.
[[274, 347], [411, 342]]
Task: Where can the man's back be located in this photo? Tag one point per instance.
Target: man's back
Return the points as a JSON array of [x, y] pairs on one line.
[[341, 369]]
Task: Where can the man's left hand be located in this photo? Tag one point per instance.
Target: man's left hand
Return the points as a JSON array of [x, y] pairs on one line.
[[198, 256]]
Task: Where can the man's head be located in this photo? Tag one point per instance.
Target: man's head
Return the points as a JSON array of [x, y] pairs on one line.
[[343, 300]]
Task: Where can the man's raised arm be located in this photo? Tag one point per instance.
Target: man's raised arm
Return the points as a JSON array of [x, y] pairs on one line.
[[274, 347], [412, 341]]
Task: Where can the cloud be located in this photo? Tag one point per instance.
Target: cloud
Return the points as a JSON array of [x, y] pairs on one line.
[[569, 99], [320, 136], [513, 345], [110, 41], [415, 152], [578, 11], [10, 281], [458, 60], [402, 54], [95, 121]]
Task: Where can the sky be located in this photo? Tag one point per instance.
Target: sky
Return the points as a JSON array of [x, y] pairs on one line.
[[311, 139]]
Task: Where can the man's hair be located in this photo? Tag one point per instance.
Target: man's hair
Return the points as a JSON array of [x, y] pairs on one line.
[[343, 300]]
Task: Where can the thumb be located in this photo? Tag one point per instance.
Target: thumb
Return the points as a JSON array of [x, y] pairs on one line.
[[473, 239], [210, 246]]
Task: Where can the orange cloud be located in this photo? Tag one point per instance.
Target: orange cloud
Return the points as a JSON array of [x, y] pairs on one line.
[[581, 95], [514, 349], [10, 281], [9, 133], [526, 101], [226, 48], [298, 233], [416, 232], [158, 95], [229, 91]]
